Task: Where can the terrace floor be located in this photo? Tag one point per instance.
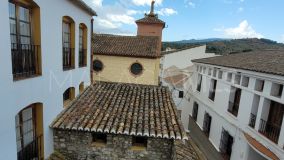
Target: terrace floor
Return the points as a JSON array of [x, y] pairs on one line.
[[202, 142]]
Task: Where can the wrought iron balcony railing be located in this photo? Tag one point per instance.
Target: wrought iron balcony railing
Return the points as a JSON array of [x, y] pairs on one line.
[[32, 151], [25, 60], [252, 120], [269, 130], [82, 57], [68, 57]]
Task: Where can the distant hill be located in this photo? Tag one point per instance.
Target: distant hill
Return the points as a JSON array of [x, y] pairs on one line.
[[227, 46], [201, 40]]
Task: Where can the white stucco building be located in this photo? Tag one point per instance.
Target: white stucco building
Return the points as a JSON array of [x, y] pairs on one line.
[[177, 68], [44, 64], [238, 102]]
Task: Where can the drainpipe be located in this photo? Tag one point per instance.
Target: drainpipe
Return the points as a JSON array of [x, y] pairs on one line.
[[92, 51]]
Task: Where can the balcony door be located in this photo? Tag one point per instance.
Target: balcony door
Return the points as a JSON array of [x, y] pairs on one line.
[[29, 133], [195, 111], [25, 41], [226, 144], [276, 113], [207, 124]]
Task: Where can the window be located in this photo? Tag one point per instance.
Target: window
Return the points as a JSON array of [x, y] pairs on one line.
[[180, 94], [136, 69], [259, 85], [199, 83], [214, 72], [139, 142], [81, 87], [195, 111], [210, 71], [234, 102], [29, 132], [276, 90], [98, 65], [220, 74], [212, 89], [25, 39], [204, 70], [245, 81], [229, 77], [99, 138], [237, 79], [68, 33], [82, 45], [68, 96]]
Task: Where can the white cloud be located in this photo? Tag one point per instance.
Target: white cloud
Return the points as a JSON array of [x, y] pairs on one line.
[[125, 19], [167, 11], [146, 2], [243, 30], [97, 3], [282, 38], [106, 23], [189, 3], [241, 9]]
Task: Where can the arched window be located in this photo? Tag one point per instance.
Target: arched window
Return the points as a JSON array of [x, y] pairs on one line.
[[68, 43], [136, 69], [98, 65], [25, 38], [83, 33], [81, 87], [29, 132], [68, 96]]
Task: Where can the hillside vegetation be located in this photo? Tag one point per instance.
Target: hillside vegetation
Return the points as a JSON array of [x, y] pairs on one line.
[[223, 47]]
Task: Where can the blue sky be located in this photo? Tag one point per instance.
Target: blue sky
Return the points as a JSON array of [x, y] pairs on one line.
[[195, 19]]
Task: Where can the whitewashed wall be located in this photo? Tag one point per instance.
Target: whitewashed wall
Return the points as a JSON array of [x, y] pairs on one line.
[[48, 88], [182, 59], [221, 118]]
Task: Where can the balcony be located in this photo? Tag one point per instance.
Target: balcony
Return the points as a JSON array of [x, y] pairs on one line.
[[82, 58], [269, 130], [32, 150], [68, 58], [252, 120], [25, 60], [233, 108]]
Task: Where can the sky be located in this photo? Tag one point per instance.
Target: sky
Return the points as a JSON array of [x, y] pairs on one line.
[[195, 19]]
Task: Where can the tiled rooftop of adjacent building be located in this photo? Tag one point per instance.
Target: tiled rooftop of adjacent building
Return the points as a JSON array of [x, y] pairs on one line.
[[267, 61], [130, 46], [129, 109]]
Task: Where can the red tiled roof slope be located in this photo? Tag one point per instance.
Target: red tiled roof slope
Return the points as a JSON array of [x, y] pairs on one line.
[[129, 109], [131, 46], [267, 61], [151, 19]]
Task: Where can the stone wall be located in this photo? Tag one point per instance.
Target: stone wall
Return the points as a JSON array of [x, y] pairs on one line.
[[75, 145]]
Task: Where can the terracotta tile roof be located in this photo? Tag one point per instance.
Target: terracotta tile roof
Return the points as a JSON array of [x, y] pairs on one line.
[[153, 19], [84, 6], [128, 109], [131, 46], [260, 148], [268, 61], [177, 80]]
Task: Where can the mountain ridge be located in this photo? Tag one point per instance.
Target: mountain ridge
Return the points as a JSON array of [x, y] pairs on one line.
[[227, 46]]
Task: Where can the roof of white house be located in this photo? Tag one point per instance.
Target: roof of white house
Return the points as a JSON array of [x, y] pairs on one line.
[[84, 6], [267, 61]]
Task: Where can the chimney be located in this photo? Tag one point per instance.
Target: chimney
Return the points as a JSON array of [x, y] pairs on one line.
[[151, 25]]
